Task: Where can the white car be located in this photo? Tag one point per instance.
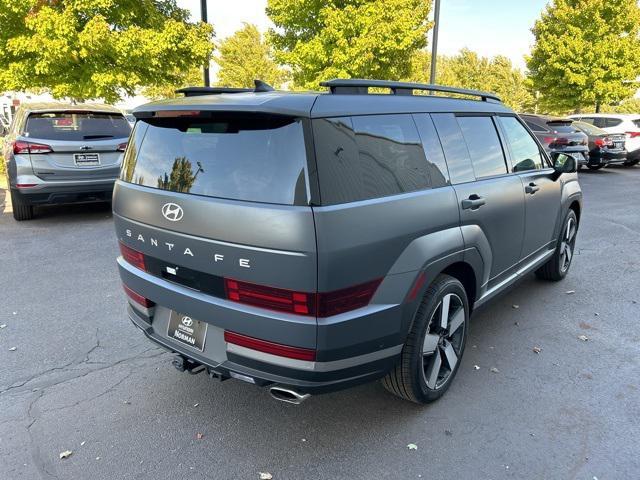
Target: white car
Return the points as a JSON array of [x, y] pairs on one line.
[[629, 124]]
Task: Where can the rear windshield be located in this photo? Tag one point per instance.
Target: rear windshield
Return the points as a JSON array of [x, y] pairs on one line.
[[77, 126], [636, 122], [253, 158], [562, 127], [590, 129]]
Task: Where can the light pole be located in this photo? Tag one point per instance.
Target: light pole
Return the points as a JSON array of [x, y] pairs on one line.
[[203, 14], [434, 42]]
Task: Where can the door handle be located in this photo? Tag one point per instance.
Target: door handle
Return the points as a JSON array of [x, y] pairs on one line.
[[474, 202], [531, 188]]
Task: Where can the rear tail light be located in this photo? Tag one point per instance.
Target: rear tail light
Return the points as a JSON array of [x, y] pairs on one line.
[[301, 303], [27, 147], [269, 297], [633, 134], [136, 297], [549, 140], [132, 256], [347, 299], [270, 347], [562, 141], [122, 147]]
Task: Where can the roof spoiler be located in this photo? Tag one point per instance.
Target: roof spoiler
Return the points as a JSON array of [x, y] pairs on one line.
[[359, 86], [260, 86]]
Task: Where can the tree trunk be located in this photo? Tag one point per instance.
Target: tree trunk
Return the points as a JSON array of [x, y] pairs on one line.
[[598, 106]]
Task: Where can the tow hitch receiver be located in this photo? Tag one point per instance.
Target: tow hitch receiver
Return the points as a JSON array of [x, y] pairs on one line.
[[184, 364]]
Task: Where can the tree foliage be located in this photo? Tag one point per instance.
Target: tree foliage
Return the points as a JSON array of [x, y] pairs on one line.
[[244, 56], [585, 54], [97, 48], [469, 70], [321, 40]]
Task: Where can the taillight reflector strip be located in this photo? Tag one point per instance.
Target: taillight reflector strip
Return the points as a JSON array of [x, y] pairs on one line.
[[132, 256], [136, 297], [270, 347]]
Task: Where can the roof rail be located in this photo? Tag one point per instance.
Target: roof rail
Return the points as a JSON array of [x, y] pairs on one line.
[[359, 86], [260, 86]]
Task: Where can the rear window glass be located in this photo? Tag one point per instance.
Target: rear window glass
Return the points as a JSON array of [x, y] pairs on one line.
[[562, 127], [76, 126], [369, 156], [253, 158], [589, 129], [636, 122], [611, 122]]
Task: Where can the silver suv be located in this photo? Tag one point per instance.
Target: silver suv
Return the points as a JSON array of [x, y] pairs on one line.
[[312, 241], [63, 153]]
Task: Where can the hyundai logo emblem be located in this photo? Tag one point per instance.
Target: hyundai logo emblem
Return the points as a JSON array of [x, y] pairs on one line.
[[172, 212], [187, 321]]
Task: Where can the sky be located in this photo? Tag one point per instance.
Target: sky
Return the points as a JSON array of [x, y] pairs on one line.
[[489, 27]]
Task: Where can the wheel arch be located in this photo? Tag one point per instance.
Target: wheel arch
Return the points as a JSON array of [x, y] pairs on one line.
[[465, 274]]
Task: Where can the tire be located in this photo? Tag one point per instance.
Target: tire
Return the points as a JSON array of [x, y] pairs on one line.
[[558, 265], [21, 210], [594, 167], [631, 163], [415, 377]]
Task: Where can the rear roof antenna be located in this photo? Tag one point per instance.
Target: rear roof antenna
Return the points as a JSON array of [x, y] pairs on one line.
[[262, 86]]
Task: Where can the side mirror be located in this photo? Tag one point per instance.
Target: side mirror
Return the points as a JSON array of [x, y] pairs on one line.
[[564, 163]]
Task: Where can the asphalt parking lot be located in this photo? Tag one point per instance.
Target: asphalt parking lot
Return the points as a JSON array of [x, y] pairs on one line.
[[82, 378]]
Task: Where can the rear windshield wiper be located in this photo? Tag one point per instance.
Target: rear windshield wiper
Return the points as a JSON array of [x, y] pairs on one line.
[[89, 137]]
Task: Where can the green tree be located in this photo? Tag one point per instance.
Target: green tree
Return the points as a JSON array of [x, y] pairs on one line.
[[586, 53], [321, 40], [181, 178], [631, 105], [469, 70], [97, 48], [244, 56]]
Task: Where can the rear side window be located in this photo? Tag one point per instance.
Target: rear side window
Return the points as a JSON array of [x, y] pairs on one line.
[[563, 127], [76, 126], [369, 156], [535, 127], [253, 158], [435, 156], [525, 153], [484, 145], [455, 149]]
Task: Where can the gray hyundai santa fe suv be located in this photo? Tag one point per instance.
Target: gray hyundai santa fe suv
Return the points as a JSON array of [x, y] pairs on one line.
[[309, 242], [63, 153]]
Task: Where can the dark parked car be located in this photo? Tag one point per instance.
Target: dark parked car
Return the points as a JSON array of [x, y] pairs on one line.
[[309, 242], [63, 153], [604, 148], [559, 135]]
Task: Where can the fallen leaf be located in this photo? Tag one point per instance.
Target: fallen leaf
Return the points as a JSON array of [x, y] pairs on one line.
[[3, 325], [304, 439], [15, 313], [196, 404], [65, 454], [448, 433], [495, 370], [265, 476], [570, 292], [82, 444], [476, 367], [13, 349], [127, 402], [537, 349], [412, 446], [584, 338], [97, 458], [596, 314], [515, 307], [517, 324], [199, 436]]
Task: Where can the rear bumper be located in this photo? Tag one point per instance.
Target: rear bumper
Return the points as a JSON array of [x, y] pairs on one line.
[[50, 193], [607, 158], [339, 363]]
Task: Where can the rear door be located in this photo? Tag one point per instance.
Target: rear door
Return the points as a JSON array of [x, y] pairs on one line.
[[217, 198], [491, 201], [542, 193], [76, 145]]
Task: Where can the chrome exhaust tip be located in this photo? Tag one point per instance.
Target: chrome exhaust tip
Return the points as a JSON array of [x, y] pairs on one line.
[[287, 395]]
